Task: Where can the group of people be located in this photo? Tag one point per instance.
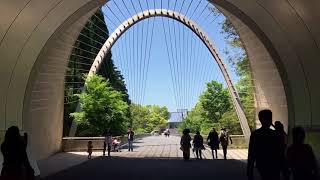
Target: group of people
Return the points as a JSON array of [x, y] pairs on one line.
[[166, 133], [110, 143], [213, 140], [268, 152]]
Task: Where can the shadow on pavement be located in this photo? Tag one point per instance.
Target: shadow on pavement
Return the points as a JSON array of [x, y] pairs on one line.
[[153, 168]]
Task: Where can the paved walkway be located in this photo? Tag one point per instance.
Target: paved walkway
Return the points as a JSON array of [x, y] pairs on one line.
[[162, 147], [154, 157]]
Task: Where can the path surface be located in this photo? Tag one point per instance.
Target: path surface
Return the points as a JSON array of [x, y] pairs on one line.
[[155, 158], [162, 147]]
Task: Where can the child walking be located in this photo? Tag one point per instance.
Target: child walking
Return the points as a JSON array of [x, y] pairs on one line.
[[90, 147]]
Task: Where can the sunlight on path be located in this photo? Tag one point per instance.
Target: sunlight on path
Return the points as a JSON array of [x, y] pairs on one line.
[[152, 147]]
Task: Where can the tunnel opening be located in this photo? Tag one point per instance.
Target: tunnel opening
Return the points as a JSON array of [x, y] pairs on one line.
[[44, 106]]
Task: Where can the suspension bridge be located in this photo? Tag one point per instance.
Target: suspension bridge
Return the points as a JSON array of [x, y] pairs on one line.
[[41, 43], [181, 82]]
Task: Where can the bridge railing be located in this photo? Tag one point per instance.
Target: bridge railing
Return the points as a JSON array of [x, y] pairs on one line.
[[70, 144]]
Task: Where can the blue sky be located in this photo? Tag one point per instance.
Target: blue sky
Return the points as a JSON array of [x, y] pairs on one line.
[[191, 64]]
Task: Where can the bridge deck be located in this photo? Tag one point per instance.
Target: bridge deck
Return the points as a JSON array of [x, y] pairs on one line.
[[155, 157], [162, 147]]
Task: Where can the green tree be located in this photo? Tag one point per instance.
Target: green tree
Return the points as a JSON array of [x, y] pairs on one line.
[[230, 121], [241, 64], [214, 110], [246, 91], [158, 117], [215, 101], [148, 118], [102, 107], [90, 40], [139, 118]]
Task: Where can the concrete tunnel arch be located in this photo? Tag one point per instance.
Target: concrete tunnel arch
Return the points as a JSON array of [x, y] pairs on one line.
[[280, 36]]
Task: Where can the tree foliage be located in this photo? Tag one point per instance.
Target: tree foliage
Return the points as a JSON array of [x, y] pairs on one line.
[[241, 64], [89, 41], [148, 118], [102, 107], [215, 101], [214, 110]]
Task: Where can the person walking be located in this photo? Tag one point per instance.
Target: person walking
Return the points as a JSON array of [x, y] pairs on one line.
[[185, 144], [213, 142], [264, 150], [130, 135], [283, 139], [107, 142], [198, 144], [89, 149], [224, 140], [301, 159], [168, 133]]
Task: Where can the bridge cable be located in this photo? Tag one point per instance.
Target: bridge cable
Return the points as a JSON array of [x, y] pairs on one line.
[[134, 7], [174, 55], [181, 6], [127, 9], [193, 56], [170, 65], [188, 8], [133, 63], [115, 3], [182, 55], [196, 65], [185, 59], [114, 25], [148, 59], [145, 58], [106, 5], [198, 18], [140, 6], [195, 10], [173, 63], [138, 60]]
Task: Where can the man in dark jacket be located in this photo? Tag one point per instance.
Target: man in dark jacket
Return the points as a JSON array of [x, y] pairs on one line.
[[265, 150], [130, 134], [213, 142]]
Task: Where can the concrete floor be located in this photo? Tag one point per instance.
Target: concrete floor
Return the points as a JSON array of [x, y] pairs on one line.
[[154, 157]]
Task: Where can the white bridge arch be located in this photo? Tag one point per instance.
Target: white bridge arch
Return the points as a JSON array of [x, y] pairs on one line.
[[197, 30]]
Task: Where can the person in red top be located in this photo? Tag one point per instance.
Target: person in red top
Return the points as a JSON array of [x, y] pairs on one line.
[[301, 159]]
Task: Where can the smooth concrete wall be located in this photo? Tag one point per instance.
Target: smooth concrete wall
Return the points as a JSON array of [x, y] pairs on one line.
[[286, 34], [268, 87], [288, 29], [44, 101], [29, 98]]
